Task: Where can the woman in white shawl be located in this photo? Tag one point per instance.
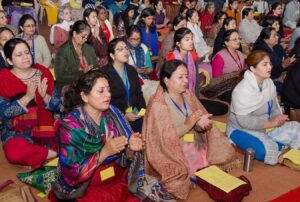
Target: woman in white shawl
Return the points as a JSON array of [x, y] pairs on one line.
[[200, 45], [256, 120]]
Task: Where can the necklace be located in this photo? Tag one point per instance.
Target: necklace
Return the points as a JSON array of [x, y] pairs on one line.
[[24, 79]]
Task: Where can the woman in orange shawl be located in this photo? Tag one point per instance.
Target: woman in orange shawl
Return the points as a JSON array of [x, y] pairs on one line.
[[180, 137]]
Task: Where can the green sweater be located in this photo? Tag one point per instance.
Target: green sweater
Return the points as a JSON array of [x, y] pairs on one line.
[[67, 63]]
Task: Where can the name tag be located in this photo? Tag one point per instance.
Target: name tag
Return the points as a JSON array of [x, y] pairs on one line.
[[129, 110], [107, 173], [189, 137]]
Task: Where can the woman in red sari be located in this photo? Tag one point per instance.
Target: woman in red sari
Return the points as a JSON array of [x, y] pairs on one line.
[[26, 96]]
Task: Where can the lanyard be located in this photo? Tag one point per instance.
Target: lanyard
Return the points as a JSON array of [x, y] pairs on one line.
[[239, 64], [131, 55], [270, 104], [184, 105], [127, 88], [32, 52]]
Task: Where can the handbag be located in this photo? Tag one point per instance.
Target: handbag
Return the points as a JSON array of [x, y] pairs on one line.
[[42, 178], [11, 192], [236, 195]]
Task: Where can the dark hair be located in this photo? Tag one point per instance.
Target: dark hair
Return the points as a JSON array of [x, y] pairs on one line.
[[275, 5], [10, 46], [79, 26], [167, 70], [156, 2], [87, 12], [146, 13], [177, 20], [112, 46], [264, 35], [182, 8], [2, 29], [231, 2], [179, 35], [23, 19], [131, 29], [270, 20], [226, 21], [124, 17], [246, 11], [227, 34], [255, 57], [208, 5], [218, 16], [190, 13], [85, 83]]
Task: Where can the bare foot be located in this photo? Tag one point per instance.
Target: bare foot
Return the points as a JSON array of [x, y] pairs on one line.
[[51, 154]]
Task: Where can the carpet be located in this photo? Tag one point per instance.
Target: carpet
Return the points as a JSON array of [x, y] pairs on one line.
[[291, 196]]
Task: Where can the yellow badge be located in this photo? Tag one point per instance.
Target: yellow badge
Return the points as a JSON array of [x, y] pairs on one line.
[[107, 173], [189, 137], [129, 110], [53, 163], [41, 195], [142, 112], [269, 129]]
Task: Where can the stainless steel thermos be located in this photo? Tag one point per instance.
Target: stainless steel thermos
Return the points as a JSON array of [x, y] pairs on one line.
[[249, 160]]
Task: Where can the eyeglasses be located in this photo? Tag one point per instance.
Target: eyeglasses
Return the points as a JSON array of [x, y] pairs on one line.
[[84, 37], [120, 49], [236, 39], [135, 39], [28, 26]]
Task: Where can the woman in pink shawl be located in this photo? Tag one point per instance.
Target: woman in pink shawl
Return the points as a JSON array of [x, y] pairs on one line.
[[180, 136]]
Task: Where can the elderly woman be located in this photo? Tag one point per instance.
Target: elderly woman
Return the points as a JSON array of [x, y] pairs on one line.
[[94, 138], [37, 43], [256, 119], [177, 130], [124, 83], [5, 35], [26, 97], [59, 33], [75, 56]]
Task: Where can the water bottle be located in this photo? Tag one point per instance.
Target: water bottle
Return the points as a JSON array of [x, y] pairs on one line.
[[249, 160]]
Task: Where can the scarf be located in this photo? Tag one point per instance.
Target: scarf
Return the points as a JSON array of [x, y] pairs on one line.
[[139, 53], [247, 97], [150, 41], [64, 25], [191, 68]]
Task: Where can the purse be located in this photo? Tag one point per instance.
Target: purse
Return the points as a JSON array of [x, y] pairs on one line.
[[11, 192], [236, 195]]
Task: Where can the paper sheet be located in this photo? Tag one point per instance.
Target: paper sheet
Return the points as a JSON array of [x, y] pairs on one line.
[[53, 163], [293, 155], [219, 178], [189, 137], [107, 173], [142, 112], [221, 126]]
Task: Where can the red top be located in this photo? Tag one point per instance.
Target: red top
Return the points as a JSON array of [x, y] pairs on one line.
[[106, 32]]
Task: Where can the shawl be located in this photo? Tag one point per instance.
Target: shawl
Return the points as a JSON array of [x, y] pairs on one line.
[[64, 25], [191, 68], [139, 55], [164, 157], [247, 97], [152, 43]]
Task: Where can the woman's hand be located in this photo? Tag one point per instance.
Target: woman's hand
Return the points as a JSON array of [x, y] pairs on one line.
[[192, 119], [114, 145], [31, 88], [135, 142], [131, 116], [42, 87], [205, 122], [279, 120], [288, 61]]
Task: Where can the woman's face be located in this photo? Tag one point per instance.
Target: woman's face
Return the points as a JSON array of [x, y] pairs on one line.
[[178, 82], [263, 69], [278, 10], [3, 19], [99, 97], [182, 24], [234, 41], [194, 18], [147, 2], [186, 43], [160, 6], [131, 14], [80, 38], [211, 9], [102, 15], [66, 15], [273, 40], [231, 25], [4, 37], [276, 26], [134, 39], [184, 13], [21, 57], [221, 20], [148, 20], [250, 15], [121, 53], [234, 5], [28, 27], [92, 19], [187, 4]]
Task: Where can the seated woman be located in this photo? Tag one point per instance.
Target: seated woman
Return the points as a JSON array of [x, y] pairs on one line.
[[105, 25], [268, 41], [92, 138], [37, 43], [124, 83], [97, 39], [123, 21], [4, 22], [276, 11], [256, 120], [161, 20], [59, 33], [5, 35], [26, 97], [200, 45], [149, 31], [228, 61], [233, 11], [208, 18], [177, 130], [183, 50], [75, 56], [249, 29], [139, 55], [216, 26]]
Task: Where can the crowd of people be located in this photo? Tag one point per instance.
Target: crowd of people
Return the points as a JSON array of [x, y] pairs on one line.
[[134, 89]]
